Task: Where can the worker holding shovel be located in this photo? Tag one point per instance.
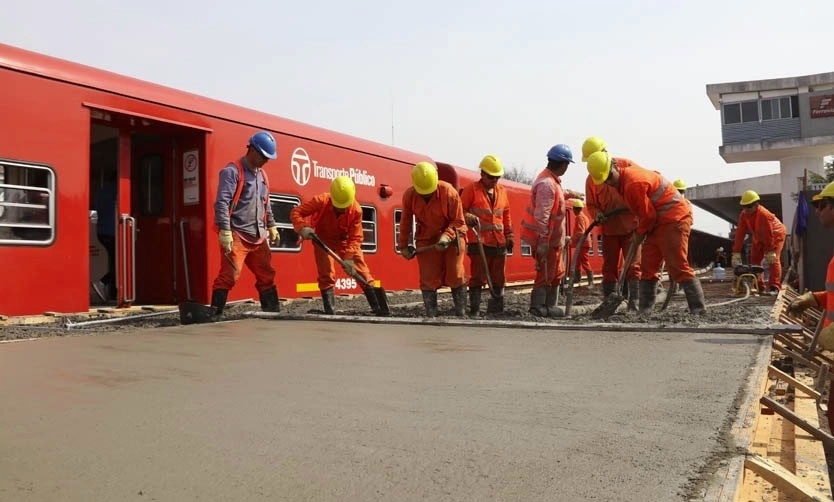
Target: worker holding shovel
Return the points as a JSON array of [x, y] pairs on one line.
[[583, 262], [334, 222], [486, 209]]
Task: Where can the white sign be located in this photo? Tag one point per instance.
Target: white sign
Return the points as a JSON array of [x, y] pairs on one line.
[[303, 168], [191, 177]]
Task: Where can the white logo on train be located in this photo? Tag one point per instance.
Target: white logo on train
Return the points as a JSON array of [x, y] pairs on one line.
[[303, 168]]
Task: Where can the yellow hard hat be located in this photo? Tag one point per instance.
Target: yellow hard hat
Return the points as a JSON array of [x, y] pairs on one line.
[[577, 203], [342, 192], [679, 184], [599, 166], [827, 192], [748, 197], [424, 178], [592, 145], [492, 166]]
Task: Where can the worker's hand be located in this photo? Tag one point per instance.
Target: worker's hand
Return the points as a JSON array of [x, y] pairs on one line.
[[510, 244], [542, 250], [736, 261], [226, 239], [274, 236], [471, 220], [802, 302], [770, 257], [826, 339], [307, 233], [443, 242], [349, 266], [408, 253], [600, 217]]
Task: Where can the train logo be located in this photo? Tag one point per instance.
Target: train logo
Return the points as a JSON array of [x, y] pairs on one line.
[[300, 165]]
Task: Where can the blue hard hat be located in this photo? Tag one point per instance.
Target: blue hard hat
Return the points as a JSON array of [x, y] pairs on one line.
[[264, 143], [560, 153]]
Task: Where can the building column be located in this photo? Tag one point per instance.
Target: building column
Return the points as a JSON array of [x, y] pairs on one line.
[[792, 170]]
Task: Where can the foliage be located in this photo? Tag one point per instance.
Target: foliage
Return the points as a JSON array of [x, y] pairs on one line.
[[518, 174], [828, 173]]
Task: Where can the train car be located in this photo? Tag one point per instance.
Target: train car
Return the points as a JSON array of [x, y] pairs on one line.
[[69, 131]]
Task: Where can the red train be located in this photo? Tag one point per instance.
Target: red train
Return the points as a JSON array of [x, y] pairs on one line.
[[68, 128]]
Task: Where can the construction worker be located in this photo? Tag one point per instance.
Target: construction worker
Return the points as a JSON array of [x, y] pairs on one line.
[[543, 229], [583, 262], [824, 205], [603, 202], [720, 257], [243, 215], [768, 238], [336, 218], [680, 186], [439, 236], [486, 209], [664, 223]]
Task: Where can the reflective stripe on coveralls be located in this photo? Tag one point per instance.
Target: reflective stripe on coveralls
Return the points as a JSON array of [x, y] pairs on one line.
[[544, 221], [495, 227], [616, 230]]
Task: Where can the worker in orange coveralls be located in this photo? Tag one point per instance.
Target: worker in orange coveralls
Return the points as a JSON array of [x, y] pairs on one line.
[[768, 234], [486, 208], [583, 262], [246, 227], [664, 223], [617, 229], [336, 218], [439, 236], [543, 229], [824, 204]]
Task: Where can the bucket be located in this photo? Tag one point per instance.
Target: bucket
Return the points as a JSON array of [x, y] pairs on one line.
[[718, 273]]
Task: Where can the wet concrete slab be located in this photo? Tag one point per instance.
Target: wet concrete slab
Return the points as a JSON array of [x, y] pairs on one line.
[[297, 410]]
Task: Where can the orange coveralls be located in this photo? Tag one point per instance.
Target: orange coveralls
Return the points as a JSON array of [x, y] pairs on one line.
[[825, 299], [441, 214], [583, 263], [663, 217], [544, 222], [340, 232], [495, 227], [616, 230], [768, 235]]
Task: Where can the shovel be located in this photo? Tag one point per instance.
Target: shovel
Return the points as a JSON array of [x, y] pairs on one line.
[[381, 297], [610, 304], [495, 294], [192, 312], [575, 257]]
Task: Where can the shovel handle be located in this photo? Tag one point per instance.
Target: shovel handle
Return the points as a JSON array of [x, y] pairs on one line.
[[317, 241]]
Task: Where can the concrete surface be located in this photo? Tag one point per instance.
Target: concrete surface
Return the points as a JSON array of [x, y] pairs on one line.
[[291, 410]]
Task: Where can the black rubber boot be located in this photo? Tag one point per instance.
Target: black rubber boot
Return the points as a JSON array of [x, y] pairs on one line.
[[538, 307], [633, 295], [269, 300], [328, 298], [608, 288], [430, 301], [648, 294], [459, 299], [370, 295], [495, 304], [218, 302], [694, 296], [475, 300], [551, 297], [590, 277]]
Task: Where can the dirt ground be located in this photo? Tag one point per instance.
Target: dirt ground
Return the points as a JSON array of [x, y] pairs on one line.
[[754, 310]]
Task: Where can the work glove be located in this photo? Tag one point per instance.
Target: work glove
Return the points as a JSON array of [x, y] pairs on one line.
[[770, 257], [408, 253], [510, 244], [736, 261], [600, 217], [274, 236], [826, 339], [443, 242], [542, 249], [226, 240], [471, 220], [307, 233], [802, 302], [349, 266]]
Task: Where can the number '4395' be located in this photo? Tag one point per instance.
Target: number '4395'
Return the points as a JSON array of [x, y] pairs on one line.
[[349, 283]]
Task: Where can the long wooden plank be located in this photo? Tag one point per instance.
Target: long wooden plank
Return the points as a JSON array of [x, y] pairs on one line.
[[800, 422], [811, 465], [782, 479], [781, 375]]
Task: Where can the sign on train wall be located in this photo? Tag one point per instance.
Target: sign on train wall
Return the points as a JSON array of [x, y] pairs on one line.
[[304, 167]]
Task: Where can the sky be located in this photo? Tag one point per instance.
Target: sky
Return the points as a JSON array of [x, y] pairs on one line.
[[456, 80]]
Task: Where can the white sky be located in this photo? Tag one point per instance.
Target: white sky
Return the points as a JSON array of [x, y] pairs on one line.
[[461, 79]]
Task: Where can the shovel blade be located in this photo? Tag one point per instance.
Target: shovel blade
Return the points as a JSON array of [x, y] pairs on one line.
[[195, 313], [382, 299], [608, 306]]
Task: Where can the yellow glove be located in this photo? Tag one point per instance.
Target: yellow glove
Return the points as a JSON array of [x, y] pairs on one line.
[[307, 233], [826, 339], [443, 242], [802, 302], [226, 239], [736, 259], [349, 266], [274, 236], [770, 257]]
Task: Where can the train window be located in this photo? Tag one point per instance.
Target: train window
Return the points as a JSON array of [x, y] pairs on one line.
[[151, 190], [369, 239], [398, 214], [526, 249], [281, 207], [27, 204], [599, 244]]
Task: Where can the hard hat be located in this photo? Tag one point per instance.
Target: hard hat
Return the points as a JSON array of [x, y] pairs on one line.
[[721, 249], [748, 197], [424, 178], [679, 184], [492, 166], [342, 192], [560, 153], [827, 192], [592, 145], [599, 166], [577, 203], [264, 143]]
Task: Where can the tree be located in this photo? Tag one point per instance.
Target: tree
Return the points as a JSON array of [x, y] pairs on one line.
[[828, 177], [518, 174]]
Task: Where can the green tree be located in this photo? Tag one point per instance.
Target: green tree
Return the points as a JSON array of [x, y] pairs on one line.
[[828, 174], [518, 174]]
